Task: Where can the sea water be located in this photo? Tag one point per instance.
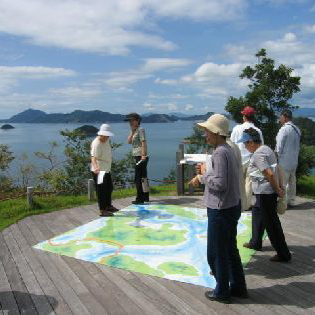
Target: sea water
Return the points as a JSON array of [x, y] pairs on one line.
[[162, 139]]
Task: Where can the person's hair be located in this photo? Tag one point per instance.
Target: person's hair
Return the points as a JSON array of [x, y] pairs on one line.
[[254, 134], [250, 117], [287, 113]]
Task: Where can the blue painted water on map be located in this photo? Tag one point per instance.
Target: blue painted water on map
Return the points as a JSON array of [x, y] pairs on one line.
[[191, 251]]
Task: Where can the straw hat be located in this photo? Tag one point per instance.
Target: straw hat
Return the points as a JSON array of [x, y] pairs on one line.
[[105, 131], [217, 124]]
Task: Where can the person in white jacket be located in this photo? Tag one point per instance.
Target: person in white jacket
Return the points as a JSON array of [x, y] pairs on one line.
[[248, 113], [287, 150]]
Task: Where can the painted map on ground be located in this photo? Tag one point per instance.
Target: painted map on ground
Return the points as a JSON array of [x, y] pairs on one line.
[[166, 241]]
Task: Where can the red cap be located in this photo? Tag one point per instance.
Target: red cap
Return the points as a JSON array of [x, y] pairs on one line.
[[248, 111]]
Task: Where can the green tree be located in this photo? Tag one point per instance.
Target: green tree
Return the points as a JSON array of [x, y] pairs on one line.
[[270, 89], [71, 175], [306, 161], [307, 127], [122, 170], [197, 142], [6, 157]]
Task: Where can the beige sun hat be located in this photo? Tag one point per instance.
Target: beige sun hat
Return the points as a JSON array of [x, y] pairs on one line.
[[217, 124]]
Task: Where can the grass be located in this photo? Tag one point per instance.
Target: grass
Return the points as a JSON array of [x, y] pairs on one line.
[[306, 187], [14, 210]]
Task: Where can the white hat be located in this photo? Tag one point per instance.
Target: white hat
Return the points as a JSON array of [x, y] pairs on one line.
[[105, 131], [217, 124]]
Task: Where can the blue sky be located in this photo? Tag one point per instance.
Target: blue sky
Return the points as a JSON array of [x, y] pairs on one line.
[[146, 55]]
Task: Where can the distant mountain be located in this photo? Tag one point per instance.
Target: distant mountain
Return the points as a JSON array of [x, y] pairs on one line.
[[97, 116], [159, 118], [198, 117], [80, 116], [28, 115], [177, 114]]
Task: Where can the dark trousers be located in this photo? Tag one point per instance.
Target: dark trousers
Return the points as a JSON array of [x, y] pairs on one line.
[[140, 173], [104, 191], [222, 252], [265, 216]]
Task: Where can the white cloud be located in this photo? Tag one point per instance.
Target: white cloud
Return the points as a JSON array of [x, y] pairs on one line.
[[166, 81], [148, 106], [35, 72], [200, 9], [157, 64], [9, 76], [171, 106], [122, 79], [75, 92], [307, 74], [176, 96], [145, 71], [109, 26], [310, 28], [211, 71], [189, 107]]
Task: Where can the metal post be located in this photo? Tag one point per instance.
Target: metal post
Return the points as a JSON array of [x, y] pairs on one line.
[[179, 174], [181, 149], [91, 189], [190, 175], [29, 196]]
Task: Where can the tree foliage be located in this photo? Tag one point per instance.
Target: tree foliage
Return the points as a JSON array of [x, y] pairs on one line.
[[307, 127], [6, 157], [197, 142], [72, 176], [270, 89], [306, 161]]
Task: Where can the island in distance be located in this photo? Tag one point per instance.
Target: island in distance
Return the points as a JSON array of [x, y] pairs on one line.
[[94, 116], [6, 127]]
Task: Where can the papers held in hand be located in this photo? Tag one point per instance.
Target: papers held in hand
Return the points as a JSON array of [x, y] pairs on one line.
[[194, 158], [140, 161], [100, 177]]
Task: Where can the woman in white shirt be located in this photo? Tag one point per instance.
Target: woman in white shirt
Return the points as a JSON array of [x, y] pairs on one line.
[[101, 160]]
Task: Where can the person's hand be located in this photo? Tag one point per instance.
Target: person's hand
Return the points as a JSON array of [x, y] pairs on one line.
[[143, 157], [133, 128], [201, 168], [198, 168], [96, 171], [280, 192], [194, 181]]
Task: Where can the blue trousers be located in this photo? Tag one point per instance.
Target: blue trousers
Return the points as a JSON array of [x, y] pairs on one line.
[[222, 252]]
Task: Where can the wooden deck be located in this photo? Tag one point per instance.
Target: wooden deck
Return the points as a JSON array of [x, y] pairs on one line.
[[37, 282]]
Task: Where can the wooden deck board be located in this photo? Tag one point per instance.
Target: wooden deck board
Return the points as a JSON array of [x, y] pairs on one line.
[[49, 261], [18, 288], [40, 300], [34, 281], [47, 284]]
